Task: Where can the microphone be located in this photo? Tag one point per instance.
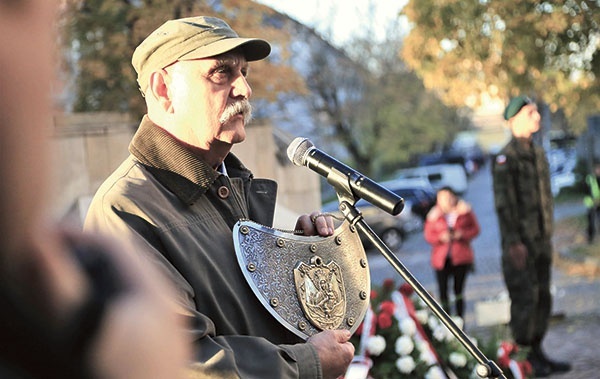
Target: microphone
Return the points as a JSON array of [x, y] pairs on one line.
[[303, 153]]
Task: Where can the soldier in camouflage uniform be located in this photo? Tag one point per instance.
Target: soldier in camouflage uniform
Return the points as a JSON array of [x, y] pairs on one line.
[[524, 205]]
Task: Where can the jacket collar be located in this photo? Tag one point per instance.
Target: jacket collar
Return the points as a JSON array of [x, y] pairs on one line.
[[523, 144], [175, 166], [462, 208]]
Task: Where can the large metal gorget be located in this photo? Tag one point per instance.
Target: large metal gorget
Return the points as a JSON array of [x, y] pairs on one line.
[[308, 284]]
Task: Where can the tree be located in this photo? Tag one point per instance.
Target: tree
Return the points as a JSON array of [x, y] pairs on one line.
[[376, 108], [464, 49], [104, 33], [366, 102]]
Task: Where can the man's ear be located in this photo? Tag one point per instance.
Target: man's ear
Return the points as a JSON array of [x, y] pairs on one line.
[[159, 89]]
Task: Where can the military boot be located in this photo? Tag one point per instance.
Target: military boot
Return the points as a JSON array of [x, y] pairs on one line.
[[541, 368], [558, 366], [555, 366]]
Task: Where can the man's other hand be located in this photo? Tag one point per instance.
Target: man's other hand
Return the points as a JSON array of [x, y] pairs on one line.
[[335, 351]]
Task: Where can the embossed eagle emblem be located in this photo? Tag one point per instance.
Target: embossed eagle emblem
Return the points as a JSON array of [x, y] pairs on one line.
[[320, 290]]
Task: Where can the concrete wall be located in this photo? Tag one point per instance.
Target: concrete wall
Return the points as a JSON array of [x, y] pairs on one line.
[[88, 147]]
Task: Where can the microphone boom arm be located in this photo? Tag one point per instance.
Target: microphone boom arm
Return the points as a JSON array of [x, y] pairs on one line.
[[347, 200]]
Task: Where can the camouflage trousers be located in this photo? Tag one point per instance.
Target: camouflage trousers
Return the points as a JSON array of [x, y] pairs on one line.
[[529, 291]]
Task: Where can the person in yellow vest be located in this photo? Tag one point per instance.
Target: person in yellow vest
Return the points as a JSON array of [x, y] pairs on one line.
[[592, 202]]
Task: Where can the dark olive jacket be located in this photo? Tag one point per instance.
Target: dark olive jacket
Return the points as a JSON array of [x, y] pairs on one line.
[[180, 212], [522, 193]]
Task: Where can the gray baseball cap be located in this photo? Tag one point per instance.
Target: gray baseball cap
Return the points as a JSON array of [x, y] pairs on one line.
[[191, 38]]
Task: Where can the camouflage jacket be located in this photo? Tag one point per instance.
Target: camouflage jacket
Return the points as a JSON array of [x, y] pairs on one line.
[[522, 193]]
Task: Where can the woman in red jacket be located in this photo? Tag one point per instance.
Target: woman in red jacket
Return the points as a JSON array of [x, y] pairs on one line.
[[449, 228]]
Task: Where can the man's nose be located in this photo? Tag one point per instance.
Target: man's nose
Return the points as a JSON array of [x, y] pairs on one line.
[[241, 88]]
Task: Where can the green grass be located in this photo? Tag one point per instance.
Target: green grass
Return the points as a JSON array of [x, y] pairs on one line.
[[569, 194], [589, 250], [571, 234]]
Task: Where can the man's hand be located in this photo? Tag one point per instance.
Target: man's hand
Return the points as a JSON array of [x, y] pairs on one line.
[[316, 224], [518, 255], [335, 351]]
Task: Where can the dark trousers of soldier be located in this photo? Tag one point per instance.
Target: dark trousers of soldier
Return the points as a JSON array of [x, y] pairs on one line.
[[529, 291], [593, 215], [459, 274]]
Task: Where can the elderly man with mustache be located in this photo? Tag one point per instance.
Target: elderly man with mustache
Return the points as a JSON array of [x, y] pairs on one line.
[[181, 191]]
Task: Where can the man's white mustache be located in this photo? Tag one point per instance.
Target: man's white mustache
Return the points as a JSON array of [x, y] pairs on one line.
[[243, 106]]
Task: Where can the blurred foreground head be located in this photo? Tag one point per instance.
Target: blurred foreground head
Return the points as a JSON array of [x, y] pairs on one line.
[[27, 42]]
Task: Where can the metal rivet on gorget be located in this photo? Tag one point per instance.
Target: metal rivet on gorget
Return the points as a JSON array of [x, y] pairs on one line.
[[483, 371], [280, 242], [338, 240], [301, 325], [244, 229], [251, 267], [362, 295], [363, 262], [352, 228], [274, 302], [313, 248], [350, 321]]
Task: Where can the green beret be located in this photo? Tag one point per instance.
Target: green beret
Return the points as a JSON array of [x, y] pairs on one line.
[[515, 105], [191, 38]]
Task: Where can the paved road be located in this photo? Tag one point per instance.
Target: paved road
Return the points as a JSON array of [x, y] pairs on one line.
[[573, 295], [576, 329], [414, 254]]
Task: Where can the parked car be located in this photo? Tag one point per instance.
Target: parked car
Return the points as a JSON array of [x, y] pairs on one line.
[[465, 150], [392, 230], [418, 192], [452, 175], [561, 180]]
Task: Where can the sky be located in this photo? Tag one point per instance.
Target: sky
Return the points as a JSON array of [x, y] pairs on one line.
[[340, 19]]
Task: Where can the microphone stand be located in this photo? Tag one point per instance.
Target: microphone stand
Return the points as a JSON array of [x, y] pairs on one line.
[[486, 368]]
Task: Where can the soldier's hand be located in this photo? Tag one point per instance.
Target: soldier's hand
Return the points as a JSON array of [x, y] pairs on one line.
[[316, 224], [518, 255], [335, 351]]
